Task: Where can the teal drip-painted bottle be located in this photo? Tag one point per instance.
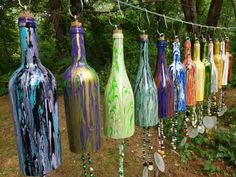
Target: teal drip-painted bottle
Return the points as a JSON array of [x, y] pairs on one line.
[[145, 92]]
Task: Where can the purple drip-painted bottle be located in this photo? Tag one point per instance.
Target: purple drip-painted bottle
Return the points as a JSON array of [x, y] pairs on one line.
[[33, 94]]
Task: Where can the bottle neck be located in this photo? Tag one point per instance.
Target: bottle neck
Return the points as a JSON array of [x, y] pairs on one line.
[[227, 45], [196, 51], [144, 50], [77, 45], [222, 48], [210, 51], [28, 41], [176, 51], [204, 51], [161, 45], [118, 54], [217, 48], [187, 50]]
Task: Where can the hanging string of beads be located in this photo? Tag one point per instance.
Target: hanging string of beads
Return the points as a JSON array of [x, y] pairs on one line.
[[144, 147], [121, 159], [150, 163]]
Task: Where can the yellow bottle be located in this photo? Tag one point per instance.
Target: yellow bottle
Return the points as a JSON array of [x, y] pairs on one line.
[[218, 62], [200, 72]]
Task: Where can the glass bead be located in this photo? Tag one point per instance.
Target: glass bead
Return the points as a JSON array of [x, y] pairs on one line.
[[84, 166]]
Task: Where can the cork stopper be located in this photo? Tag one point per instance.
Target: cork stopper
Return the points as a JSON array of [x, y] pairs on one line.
[[161, 37], [143, 36], [176, 38], [119, 31], [76, 23], [26, 14]]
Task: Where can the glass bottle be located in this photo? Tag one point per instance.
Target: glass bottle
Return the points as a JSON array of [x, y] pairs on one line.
[[165, 91], [177, 73], [164, 84], [190, 75], [33, 94], [230, 56], [214, 72], [208, 67], [119, 120], [145, 92], [225, 63], [218, 62], [81, 98], [200, 72]]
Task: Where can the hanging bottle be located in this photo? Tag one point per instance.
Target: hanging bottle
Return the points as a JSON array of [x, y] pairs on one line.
[[230, 56], [224, 76], [33, 94], [225, 63], [218, 62], [145, 94], [165, 90], [190, 75], [118, 97], [177, 73], [214, 75], [82, 99], [119, 120], [208, 67], [190, 88], [219, 65], [200, 85], [200, 72]]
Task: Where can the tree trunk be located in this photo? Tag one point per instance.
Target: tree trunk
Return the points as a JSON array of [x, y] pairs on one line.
[[190, 13], [214, 13], [55, 8]]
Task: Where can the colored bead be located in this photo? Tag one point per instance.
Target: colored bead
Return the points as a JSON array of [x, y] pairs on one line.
[[84, 166]]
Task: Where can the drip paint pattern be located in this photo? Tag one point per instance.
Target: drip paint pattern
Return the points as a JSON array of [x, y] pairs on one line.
[[33, 96], [118, 98], [218, 62], [200, 73], [190, 75], [208, 68], [145, 92], [164, 84], [177, 73], [225, 64], [81, 95], [230, 56], [214, 72]]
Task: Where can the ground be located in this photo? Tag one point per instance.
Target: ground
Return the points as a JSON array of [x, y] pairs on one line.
[[106, 160]]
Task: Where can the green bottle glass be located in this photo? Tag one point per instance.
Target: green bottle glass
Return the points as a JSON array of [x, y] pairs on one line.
[[208, 67], [119, 119]]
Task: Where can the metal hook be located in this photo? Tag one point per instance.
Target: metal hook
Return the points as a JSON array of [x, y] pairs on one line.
[[148, 20], [164, 17], [173, 28], [186, 36], [24, 6], [122, 15], [75, 16]]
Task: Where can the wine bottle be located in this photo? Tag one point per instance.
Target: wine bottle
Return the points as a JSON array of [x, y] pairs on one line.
[[81, 98], [33, 94], [145, 92], [118, 98]]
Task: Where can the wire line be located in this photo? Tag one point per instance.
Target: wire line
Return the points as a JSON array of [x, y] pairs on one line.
[[173, 19]]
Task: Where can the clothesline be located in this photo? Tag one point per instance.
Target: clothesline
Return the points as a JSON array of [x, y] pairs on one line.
[[173, 19]]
